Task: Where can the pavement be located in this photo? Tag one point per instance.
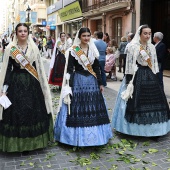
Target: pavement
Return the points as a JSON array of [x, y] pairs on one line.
[[123, 152]]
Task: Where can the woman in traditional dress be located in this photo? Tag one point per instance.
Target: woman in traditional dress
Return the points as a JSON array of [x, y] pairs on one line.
[[82, 119], [57, 63], [27, 123], [141, 107]]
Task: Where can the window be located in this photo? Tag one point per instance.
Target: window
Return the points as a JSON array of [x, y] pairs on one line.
[[117, 29]]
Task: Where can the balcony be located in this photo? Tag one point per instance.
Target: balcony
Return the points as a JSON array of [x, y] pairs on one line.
[[104, 6]]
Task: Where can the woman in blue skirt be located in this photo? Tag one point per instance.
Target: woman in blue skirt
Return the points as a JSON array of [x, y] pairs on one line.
[[141, 107], [82, 119]]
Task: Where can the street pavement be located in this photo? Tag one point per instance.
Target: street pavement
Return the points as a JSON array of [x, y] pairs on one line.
[[123, 152]]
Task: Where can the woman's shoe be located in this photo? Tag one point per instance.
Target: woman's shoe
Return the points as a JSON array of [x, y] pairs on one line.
[[114, 78], [108, 77]]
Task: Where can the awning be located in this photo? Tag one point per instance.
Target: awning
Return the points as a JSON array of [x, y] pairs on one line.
[[72, 20]]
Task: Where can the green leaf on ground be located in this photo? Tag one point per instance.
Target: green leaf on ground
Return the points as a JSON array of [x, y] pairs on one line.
[[110, 160], [145, 162], [151, 150], [147, 143], [94, 156], [154, 164], [168, 159], [146, 168], [31, 164], [22, 164], [96, 168], [49, 166]]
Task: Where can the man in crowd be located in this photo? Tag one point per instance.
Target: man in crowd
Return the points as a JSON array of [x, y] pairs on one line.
[[161, 53], [101, 46]]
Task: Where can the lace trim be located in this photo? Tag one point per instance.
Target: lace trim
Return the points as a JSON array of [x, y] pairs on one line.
[[149, 104], [87, 109], [91, 58]]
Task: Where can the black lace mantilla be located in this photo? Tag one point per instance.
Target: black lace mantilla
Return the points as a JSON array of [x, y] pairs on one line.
[[87, 109], [149, 104]]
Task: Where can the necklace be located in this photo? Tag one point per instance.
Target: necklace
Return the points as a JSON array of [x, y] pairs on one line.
[[85, 50], [22, 47]]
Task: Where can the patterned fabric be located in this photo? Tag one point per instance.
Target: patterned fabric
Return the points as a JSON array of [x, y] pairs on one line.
[[121, 125], [84, 59], [57, 72], [26, 120], [88, 124], [28, 67], [134, 56], [149, 104], [87, 103]]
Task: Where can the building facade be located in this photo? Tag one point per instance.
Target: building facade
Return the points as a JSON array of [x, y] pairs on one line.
[[110, 16], [64, 16]]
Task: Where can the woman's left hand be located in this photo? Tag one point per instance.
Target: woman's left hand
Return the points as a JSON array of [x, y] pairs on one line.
[[101, 88]]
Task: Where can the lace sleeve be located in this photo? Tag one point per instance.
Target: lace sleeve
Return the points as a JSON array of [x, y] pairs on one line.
[[129, 60]]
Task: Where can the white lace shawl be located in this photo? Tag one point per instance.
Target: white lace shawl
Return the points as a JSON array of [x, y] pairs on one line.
[[133, 55], [32, 55]]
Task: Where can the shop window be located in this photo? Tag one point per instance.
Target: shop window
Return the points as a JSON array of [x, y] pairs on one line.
[[117, 29]]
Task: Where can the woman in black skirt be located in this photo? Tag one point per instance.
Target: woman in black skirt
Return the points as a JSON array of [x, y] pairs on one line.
[[27, 123], [142, 111]]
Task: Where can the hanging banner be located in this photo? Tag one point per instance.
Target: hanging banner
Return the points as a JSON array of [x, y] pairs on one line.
[[22, 16], [33, 17]]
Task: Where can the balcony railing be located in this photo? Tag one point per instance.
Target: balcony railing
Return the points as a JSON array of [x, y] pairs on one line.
[[101, 4]]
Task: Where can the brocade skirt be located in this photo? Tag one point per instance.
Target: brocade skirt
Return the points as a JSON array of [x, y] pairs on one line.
[[147, 113], [26, 125], [88, 123]]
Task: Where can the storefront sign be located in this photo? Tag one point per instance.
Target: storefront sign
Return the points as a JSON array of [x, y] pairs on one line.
[[67, 2], [70, 12], [53, 27], [51, 20], [55, 7], [44, 23]]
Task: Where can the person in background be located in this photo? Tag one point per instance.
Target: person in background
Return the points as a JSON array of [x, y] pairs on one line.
[[44, 40], [69, 40], [141, 107], [112, 43], [161, 54], [49, 47], [110, 62], [5, 42], [106, 38], [121, 49], [27, 123], [94, 38], [74, 35], [82, 119], [57, 63], [53, 43], [101, 46]]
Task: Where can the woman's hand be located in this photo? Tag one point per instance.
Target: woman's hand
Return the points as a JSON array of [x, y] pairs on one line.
[[101, 88], [2, 93]]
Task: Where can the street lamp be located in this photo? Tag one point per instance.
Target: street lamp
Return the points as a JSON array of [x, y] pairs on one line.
[[28, 10], [8, 32]]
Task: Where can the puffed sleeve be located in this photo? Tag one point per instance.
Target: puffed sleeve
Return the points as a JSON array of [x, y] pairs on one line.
[[70, 68], [96, 69], [8, 72]]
